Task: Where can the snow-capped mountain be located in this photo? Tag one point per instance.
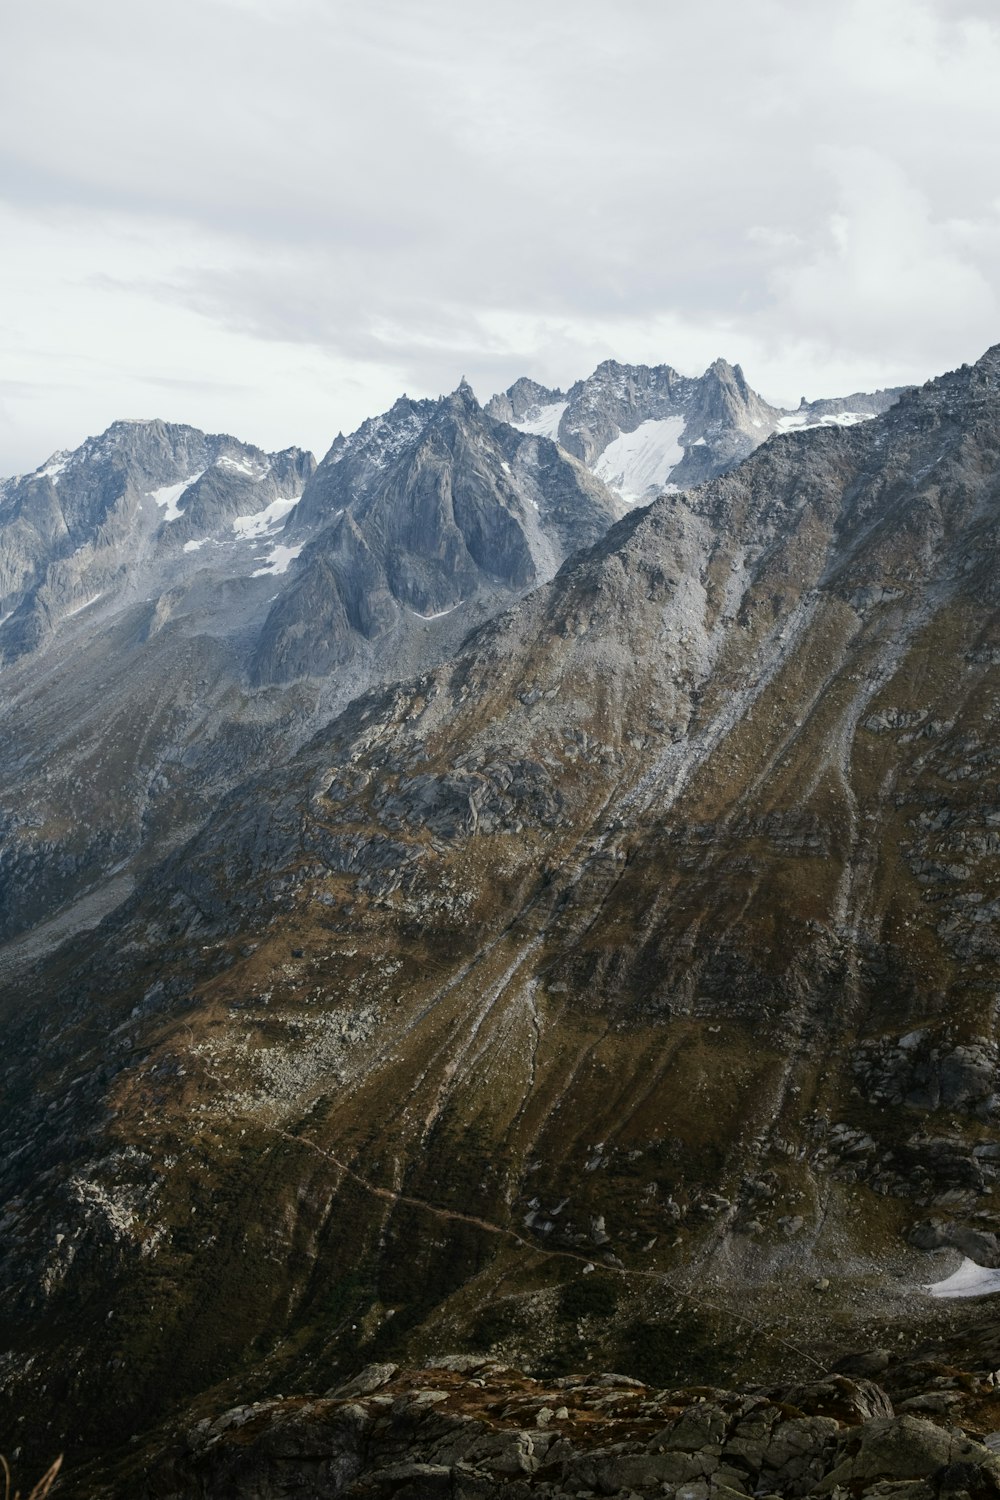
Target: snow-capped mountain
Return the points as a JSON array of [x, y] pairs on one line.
[[431, 510], [646, 429], [179, 606], [112, 520]]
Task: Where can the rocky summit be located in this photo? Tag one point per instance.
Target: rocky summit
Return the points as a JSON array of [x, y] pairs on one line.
[[608, 985]]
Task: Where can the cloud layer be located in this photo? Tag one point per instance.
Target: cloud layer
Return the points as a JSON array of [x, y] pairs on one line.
[[273, 218]]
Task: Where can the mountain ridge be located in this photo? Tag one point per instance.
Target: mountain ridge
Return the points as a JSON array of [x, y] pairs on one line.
[[697, 427]]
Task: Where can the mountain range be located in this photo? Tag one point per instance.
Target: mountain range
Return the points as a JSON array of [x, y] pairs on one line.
[[515, 897], [177, 607]]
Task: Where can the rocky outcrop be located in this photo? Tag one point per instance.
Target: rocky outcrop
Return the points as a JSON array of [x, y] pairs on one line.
[[522, 401], [859, 404]]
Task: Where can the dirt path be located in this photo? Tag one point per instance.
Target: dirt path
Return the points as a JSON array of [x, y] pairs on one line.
[[391, 1196]]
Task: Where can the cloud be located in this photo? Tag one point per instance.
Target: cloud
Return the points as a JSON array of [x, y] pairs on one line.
[[890, 276], [401, 192]]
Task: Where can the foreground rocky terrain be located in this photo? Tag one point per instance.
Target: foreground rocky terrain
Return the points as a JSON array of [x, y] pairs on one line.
[[618, 991], [468, 1426]]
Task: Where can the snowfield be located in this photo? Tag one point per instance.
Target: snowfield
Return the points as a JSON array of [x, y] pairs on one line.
[[545, 422], [264, 520], [970, 1280], [279, 561], [794, 421], [639, 464], [168, 496]]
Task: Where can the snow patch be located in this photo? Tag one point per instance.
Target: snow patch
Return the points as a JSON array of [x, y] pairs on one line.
[[193, 546], [279, 561], [970, 1280], [55, 466], [794, 421], [264, 520], [252, 470], [542, 421], [638, 464], [168, 495]]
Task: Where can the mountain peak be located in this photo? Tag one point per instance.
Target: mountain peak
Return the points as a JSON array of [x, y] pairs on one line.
[[463, 397]]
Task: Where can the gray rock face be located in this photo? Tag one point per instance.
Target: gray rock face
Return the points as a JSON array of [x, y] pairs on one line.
[[167, 576], [432, 509]]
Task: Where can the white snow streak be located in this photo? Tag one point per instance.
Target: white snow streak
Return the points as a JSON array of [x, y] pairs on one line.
[[79, 608], [794, 421], [440, 613], [279, 561]]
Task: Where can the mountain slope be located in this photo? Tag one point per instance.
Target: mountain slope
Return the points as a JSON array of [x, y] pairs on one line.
[[658, 928]]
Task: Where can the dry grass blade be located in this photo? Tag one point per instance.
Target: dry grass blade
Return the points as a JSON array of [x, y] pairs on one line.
[[40, 1490]]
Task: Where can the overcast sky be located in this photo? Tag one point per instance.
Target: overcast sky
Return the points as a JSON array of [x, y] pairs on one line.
[[271, 217]]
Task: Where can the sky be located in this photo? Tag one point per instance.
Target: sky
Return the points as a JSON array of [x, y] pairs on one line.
[[272, 217]]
